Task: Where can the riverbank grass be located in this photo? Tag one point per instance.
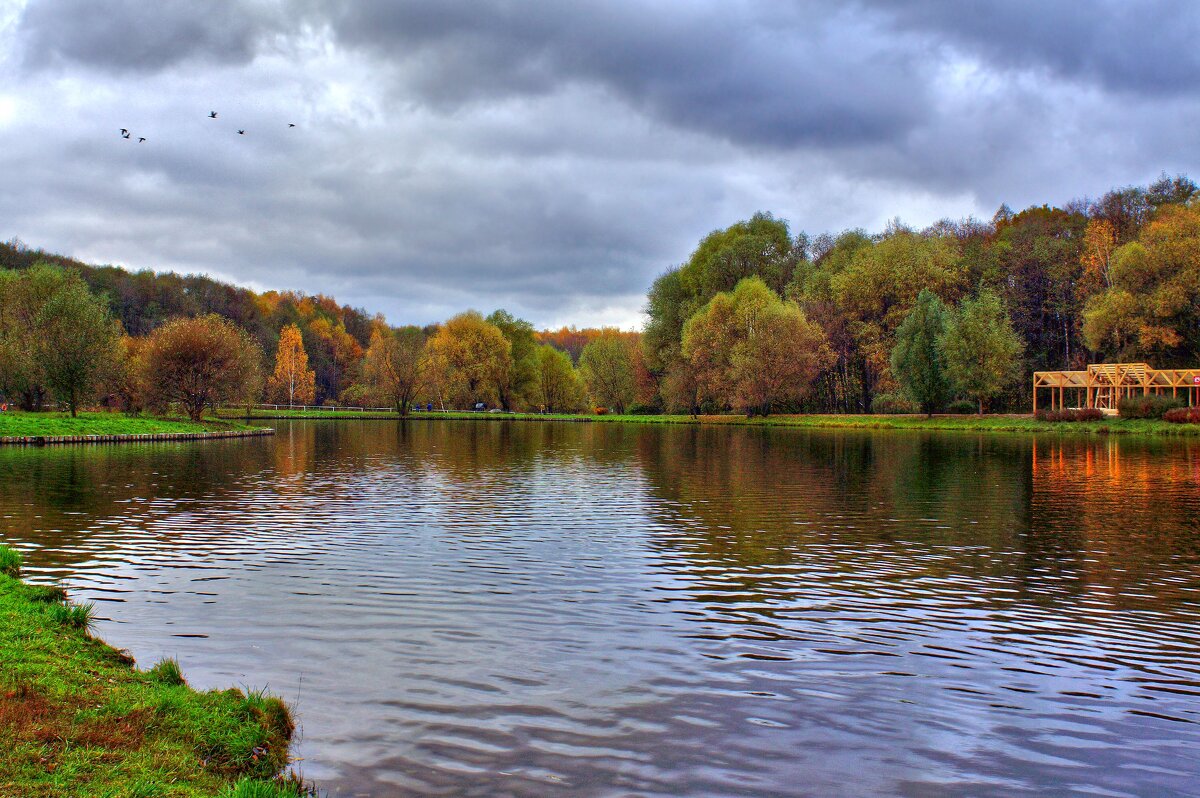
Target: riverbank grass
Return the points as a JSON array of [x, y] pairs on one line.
[[77, 718], [962, 423], [20, 424]]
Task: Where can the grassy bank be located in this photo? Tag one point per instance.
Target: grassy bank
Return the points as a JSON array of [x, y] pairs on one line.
[[78, 719], [17, 423], [963, 423]]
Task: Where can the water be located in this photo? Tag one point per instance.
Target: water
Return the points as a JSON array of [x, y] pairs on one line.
[[459, 608]]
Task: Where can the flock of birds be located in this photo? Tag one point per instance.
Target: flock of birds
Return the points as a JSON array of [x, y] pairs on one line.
[[125, 134]]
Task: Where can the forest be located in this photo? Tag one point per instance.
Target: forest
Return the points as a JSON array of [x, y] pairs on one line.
[[757, 319]]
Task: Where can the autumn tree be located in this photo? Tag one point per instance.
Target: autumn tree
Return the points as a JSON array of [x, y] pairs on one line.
[[292, 380], [468, 359], [606, 366], [201, 362], [557, 386], [918, 362], [1153, 306], [982, 350], [394, 365], [751, 350]]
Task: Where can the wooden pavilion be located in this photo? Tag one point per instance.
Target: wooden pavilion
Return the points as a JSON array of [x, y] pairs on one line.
[[1102, 385]]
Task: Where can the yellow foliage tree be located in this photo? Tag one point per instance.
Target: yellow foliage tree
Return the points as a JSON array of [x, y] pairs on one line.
[[293, 381]]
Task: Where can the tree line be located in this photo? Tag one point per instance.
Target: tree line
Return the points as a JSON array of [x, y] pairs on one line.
[[756, 320], [1117, 278]]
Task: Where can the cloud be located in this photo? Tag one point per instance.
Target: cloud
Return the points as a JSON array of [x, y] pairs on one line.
[[548, 157], [137, 36]]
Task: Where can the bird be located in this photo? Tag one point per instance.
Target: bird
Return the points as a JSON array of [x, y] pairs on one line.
[[291, 124], [212, 114], [241, 132], [124, 133], [141, 139]]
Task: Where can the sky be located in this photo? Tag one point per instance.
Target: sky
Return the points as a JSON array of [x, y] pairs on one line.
[[553, 157]]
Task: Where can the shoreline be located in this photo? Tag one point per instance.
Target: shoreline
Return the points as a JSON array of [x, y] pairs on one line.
[[77, 717], [20, 428], [1008, 423]]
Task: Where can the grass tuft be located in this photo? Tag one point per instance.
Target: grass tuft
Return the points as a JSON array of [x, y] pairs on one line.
[[10, 562], [168, 672], [77, 616]]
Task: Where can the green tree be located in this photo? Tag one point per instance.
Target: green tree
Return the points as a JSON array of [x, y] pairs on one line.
[[982, 350], [606, 365], [515, 384], [918, 362], [751, 350], [394, 365], [557, 386], [78, 342]]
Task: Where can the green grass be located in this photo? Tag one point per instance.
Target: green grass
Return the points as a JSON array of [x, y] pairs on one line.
[[963, 423], [17, 423], [78, 719]]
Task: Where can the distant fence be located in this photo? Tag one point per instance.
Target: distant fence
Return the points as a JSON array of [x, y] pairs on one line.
[[336, 408]]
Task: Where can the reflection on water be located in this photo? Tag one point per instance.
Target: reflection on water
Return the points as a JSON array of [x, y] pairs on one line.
[[585, 609]]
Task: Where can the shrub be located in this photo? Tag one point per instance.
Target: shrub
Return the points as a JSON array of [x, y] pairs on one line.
[[1183, 415], [1070, 415], [963, 407], [893, 404], [601, 411], [1146, 406], [644, 410]]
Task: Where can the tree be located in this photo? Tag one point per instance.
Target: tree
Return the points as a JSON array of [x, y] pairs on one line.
[[606, 365], [982, 349], [292, 380], [918, 362], [1153, 306], [557, 387], [201, 362], [468, 359], [394, 365], [78, 342], [751, 350], [514, 384]]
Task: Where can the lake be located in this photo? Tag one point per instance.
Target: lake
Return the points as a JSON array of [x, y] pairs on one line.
[[540, 609]]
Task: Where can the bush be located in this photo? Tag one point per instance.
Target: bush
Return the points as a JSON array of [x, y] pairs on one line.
[[890, 404], [1146, 406], [1069, 415], [601, 411], [1183, 415], [963, 407], [644, 410]]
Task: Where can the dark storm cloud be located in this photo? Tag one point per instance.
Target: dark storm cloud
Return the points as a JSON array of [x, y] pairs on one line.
[[757, 73], [552, 157], [143, 35], [1147, 46]]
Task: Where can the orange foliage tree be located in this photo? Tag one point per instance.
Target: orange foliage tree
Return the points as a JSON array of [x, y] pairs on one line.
[[292, 380]]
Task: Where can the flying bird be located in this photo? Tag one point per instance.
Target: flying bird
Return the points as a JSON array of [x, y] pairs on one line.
[[212, 114], [141, 139], [124, 133], [290, 124], [241, 132]]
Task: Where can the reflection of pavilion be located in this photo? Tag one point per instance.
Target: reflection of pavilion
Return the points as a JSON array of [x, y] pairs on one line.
[[1104, 384]]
